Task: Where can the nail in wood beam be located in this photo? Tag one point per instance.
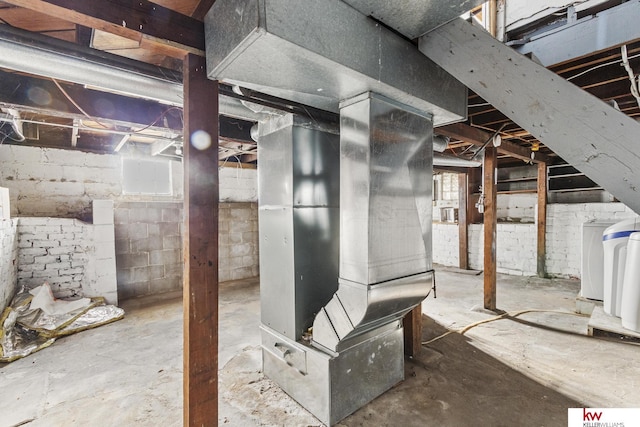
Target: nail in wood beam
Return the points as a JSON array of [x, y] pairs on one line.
[[201, 193], [542, 218], [463, 229], [490, 227]]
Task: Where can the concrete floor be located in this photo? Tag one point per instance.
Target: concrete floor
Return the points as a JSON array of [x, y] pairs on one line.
[[522, 371]]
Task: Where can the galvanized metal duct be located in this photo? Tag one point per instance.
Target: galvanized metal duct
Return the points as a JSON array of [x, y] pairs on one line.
[[336, 55], [385, 220]]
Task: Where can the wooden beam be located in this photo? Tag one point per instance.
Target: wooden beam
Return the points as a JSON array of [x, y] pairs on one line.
[[542, 218], [490, 227], [412, 323], [202, 9], [463, 228], [478, 137], [154, 26], [201, 193]]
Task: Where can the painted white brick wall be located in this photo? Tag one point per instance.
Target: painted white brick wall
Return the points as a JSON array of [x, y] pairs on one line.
[[48, 182], [516, 248], [517, 243], [8, 261], [53, 250], [76, 258], [476, 246], [564, 222], [445, 238]]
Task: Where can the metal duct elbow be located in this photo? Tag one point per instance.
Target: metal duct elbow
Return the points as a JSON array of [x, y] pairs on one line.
[[440, 143]]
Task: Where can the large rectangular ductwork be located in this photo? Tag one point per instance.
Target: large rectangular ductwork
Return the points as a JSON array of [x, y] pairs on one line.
[[345, 228], [319, 53], [385, 219]]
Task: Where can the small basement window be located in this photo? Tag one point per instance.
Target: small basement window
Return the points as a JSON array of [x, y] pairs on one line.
[[146, 177]]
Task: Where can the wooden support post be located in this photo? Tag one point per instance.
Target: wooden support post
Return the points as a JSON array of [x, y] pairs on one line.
[[463, 229], [474, 182], [412, 323], [490, 227], [201, 189], [542, 218]]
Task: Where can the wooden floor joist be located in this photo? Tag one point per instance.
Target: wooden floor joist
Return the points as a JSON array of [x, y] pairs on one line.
[[201, 194]]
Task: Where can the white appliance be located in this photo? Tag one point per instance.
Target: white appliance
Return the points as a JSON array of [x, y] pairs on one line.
[[592, 261], [630, 309], [614, 241]]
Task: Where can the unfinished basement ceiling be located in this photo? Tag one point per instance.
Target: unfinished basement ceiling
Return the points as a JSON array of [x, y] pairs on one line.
[[599, 73]]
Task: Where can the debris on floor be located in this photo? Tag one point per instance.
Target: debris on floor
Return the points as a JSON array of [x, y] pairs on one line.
[[35, 319]]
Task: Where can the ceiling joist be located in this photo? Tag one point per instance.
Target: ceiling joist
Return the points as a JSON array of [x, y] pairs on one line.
[[154, 26], [478, 137]]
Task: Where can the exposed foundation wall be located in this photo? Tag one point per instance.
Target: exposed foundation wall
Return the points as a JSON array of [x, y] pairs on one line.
[[516, 242], [445, 238], [62, 183], [238, 241], [148, 247], [564, 228], [8, 260], [47, 182], [74, 257]]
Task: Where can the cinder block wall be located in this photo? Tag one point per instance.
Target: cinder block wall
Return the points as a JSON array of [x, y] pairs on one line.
[[238, 243], [8, 260], [148, 247]]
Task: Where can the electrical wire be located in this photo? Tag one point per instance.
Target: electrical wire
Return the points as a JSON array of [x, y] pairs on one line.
[[164, 113], [600, 66], [493, 319], [66, 95], [632, 77]]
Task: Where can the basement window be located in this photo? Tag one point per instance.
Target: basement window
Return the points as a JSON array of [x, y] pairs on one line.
[[151, 177]]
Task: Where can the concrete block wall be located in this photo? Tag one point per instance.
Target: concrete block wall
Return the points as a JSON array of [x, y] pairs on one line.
[[238, 245], [148, 247], [238, 184], [8, 261], [76, 258]]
